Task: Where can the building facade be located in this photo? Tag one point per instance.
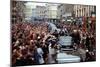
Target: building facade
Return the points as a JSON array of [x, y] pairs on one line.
[[40, 12], [83, 10], [65, 10], [51, 12], [28, 11], [47, 12], [17, 9]]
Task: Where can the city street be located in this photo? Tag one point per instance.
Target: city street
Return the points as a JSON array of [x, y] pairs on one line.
[[48, 33]]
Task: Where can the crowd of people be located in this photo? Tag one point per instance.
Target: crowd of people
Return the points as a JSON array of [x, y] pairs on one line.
[[80, 38], [32, 43]]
